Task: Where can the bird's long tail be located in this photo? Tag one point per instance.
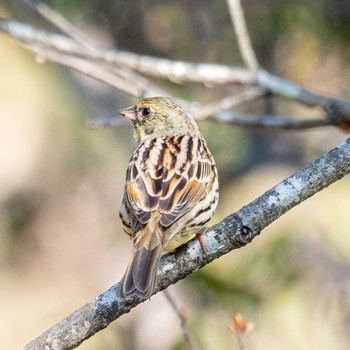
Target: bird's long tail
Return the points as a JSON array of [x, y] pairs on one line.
[[140, 276]]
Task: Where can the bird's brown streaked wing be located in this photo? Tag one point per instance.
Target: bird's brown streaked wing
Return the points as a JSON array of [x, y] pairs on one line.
[[172, 187], [185, 193], [142, 191], [126, 217], [140, 200]]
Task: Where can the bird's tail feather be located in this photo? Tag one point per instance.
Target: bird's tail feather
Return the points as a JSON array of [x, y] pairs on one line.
[[140, 276]]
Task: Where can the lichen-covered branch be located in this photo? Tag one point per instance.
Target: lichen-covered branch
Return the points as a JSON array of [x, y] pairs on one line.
[[234, 232]]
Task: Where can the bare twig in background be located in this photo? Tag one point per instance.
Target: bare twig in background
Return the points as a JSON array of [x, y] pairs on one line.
[[105, 121], [234, 232], [336, 110], [137, 87], [143, 88], [274, 122], [176, 71], [89, 69], [60, 22], [241, 329], [182, 318], [229, 103], [216, 111], [243, 38]]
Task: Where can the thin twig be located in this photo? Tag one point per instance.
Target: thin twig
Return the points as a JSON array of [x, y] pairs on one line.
[[275, 122], [287, 89], [229, 103], [241, 329], [105, 121], [130, 77], [241, 342], [61, 23], [87, 68], [64, 49], [137, 88], [180, 315], [177, 70], [243, 39]]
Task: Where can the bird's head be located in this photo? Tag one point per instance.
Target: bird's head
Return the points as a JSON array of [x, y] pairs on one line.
[[159, 116]]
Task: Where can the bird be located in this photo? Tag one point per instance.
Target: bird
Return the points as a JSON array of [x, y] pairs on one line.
[[171, 189]]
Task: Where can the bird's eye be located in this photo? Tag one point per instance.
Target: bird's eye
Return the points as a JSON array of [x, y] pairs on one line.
[[146, 111]]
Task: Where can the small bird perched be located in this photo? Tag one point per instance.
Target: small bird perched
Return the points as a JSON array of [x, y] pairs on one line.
[[171, 188]]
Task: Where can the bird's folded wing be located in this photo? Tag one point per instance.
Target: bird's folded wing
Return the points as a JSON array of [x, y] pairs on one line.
[[168, 177]]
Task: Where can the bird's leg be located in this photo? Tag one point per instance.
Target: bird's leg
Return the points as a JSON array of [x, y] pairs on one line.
[[201, 238]]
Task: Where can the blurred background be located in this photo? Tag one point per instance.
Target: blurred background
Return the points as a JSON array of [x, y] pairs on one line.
[[61, 242]]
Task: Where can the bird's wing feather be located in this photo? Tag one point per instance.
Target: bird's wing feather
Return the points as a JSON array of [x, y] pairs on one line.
[[169, 176]]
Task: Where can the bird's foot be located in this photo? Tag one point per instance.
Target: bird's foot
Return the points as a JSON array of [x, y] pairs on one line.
[[201, 238]]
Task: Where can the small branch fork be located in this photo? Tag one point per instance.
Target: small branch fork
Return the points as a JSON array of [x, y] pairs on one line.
[[126, 71]]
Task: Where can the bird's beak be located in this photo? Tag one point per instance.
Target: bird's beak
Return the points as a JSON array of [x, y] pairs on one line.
[[129, 113]]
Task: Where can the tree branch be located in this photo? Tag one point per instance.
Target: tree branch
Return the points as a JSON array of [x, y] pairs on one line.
[[176, 71], [244, 43], [119, 77], [228, 103], [234, 232], [119, 81], [338, 111], [60, 22], [270, 122], [274, 122]]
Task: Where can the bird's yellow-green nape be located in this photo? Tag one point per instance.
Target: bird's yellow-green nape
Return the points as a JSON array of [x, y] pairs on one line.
[[156, 116]]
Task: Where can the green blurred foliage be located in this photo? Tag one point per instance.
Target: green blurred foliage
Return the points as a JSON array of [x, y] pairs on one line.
[[61, 183]]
